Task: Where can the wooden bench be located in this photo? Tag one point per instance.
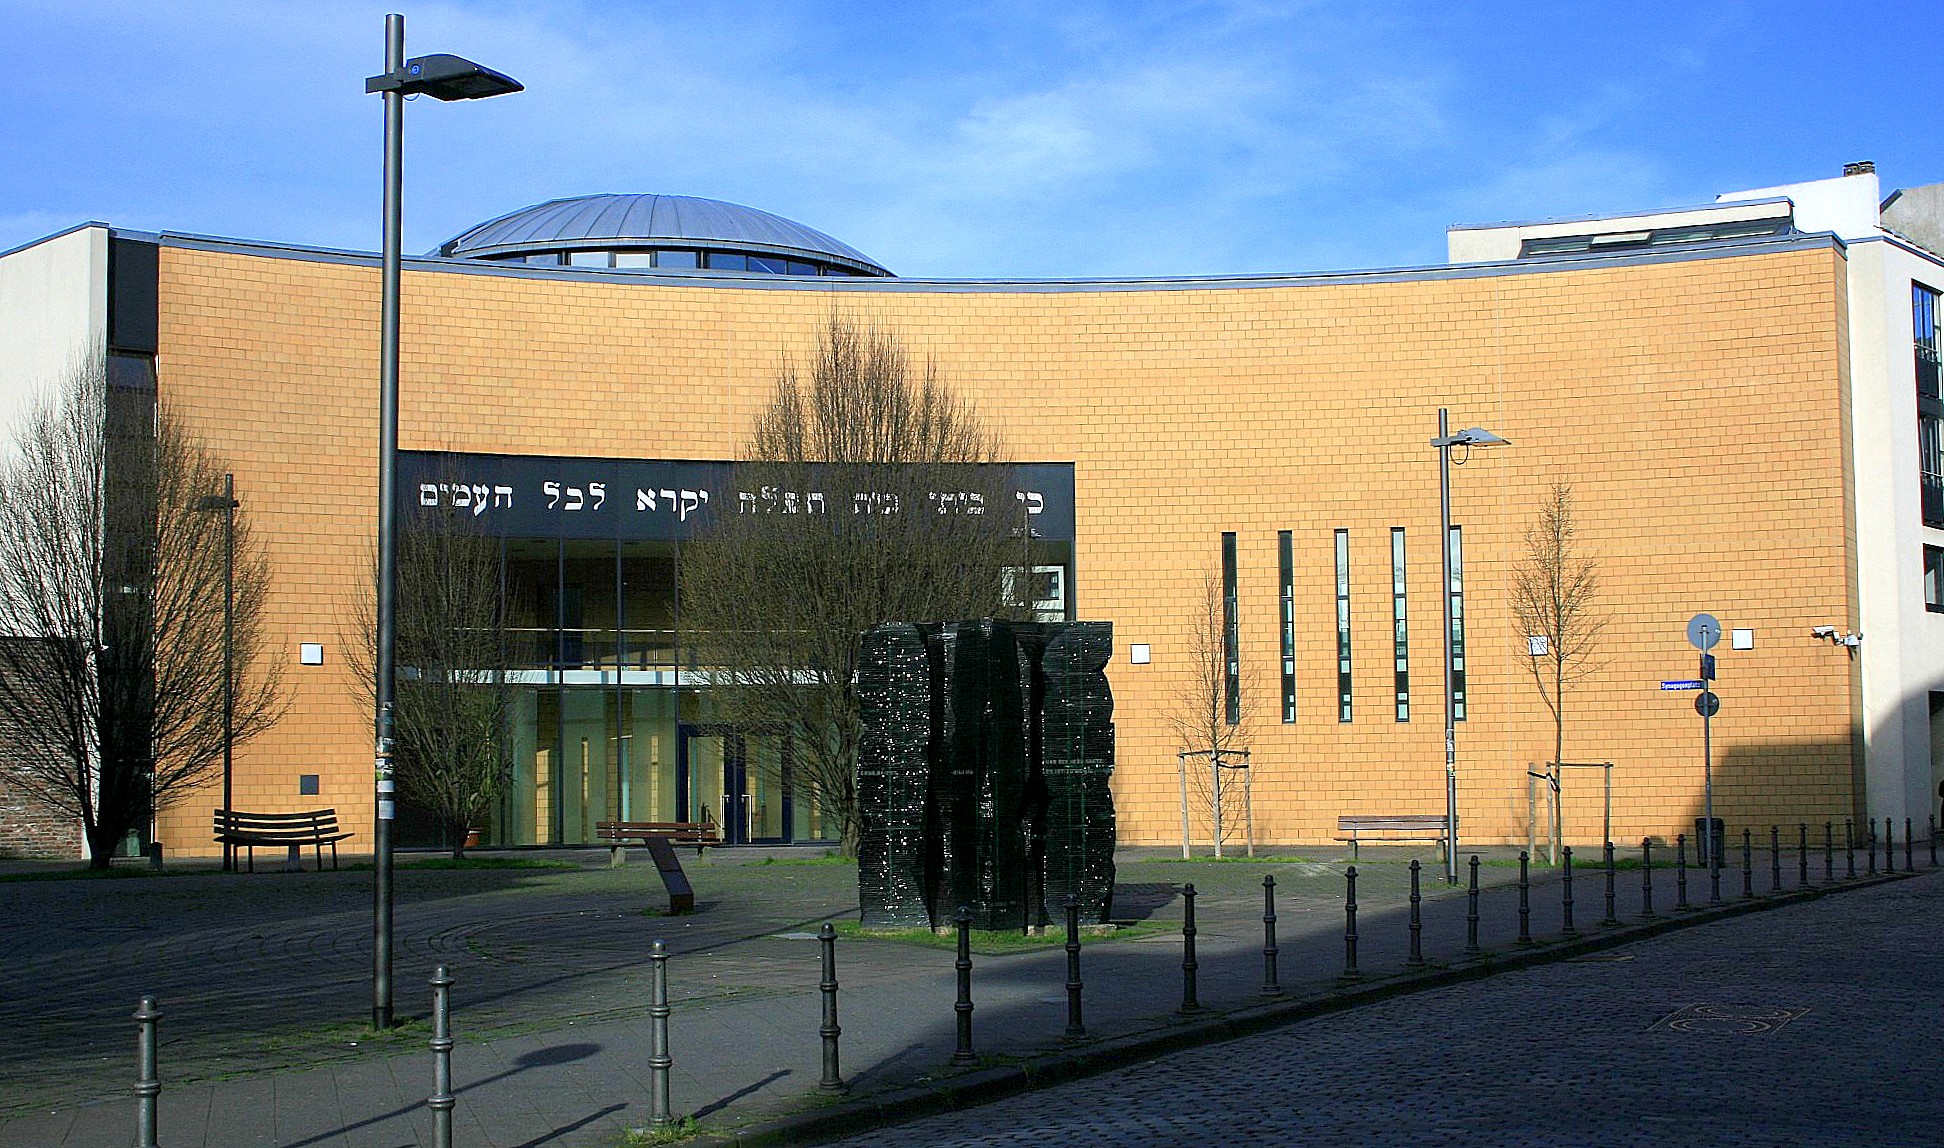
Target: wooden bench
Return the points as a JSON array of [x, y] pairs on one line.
[[315, 828], [615, 834], [1349, 828]]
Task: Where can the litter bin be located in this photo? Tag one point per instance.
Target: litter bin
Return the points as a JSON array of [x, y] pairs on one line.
[[1701, 834]]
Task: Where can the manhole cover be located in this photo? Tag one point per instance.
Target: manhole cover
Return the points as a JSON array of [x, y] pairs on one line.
[[1730, 1020]]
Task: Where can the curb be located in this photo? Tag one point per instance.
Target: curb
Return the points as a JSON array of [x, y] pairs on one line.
[[902, 1105]]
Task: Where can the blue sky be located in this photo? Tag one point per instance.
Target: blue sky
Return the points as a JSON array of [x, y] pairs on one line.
[[964, 139]]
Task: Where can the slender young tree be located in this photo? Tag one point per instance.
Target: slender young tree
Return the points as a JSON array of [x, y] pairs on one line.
[[1554, 594], [1201, 714], [111, 600], [872, 496], [452, 708]]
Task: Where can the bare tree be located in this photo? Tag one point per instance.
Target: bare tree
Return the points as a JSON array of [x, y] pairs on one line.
[[452, 708], [111, 594], [876, 499], [1212, 721], [1554, 590]]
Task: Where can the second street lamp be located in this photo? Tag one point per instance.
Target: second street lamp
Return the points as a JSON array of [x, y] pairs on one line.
[[1444, 442], [443, 77], [226, 502]]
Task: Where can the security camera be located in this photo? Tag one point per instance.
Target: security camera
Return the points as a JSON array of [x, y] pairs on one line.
[[1826, 632], [1851, 640]]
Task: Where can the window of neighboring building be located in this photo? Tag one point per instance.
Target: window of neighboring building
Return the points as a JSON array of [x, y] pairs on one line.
[[1400, 627], [682, 259], [1231, 636], [1934, 579], [727, 261], [1926, 344], [1457, 636], [1286, 568], [634, 260], [588, 258], [1343, 623]]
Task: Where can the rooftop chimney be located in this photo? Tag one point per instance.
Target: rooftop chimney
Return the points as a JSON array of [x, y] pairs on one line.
[[1860, 167]]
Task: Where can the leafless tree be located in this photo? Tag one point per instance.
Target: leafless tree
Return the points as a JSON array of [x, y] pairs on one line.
[[1554, 591], [847, 530], [451, 710], [111, 597], [1211, 725]]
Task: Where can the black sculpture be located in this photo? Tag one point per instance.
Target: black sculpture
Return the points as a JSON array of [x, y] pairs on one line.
[[983, 775]]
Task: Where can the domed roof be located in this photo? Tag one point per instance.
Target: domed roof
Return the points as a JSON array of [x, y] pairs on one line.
[[618, 222]]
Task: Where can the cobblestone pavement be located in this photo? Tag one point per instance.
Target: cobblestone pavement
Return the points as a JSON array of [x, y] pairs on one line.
[[1815, 1024]]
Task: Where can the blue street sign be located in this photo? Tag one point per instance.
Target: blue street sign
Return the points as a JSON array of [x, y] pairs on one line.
[[1681, 685]]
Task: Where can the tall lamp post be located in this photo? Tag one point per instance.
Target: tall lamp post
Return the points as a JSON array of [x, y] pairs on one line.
[[1444, 442], [226, 502], [442, 77]]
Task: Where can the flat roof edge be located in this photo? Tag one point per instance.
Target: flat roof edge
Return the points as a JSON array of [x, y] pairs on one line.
[[1714, 205], [1720, 249], [52, 236]]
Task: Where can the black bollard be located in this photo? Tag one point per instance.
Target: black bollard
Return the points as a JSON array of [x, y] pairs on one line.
[[1849, 848], [442, 1100], [1610, 918], [1189, 1003], [1711, 847], [1933, 840], [1910, 863], [1889, 846], [1416, 959], [1471, 909], [1775, 859], [147, 1086], [1566, 926], [1647, 879], [833, 1080], [659, 1062], [1802, 855], [963, 1053], [1869, 849], [1680, 872], [1075, 1026], [1748, 866], [1350, 972], [1525, 898], [1271, 985]]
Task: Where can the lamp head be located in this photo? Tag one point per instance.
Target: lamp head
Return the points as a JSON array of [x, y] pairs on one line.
[[445, 77], [1471, 436]]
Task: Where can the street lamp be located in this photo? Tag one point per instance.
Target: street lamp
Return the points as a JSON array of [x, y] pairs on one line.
[[1444, 442], [226, 502], [442, 77]]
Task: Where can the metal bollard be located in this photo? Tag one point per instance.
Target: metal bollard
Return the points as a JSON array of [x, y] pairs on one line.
[[1775, 859], [1829, 852], [659, 1062], [1802, 854], [1889, 846], [1471, 911], [442, 1099], [1271, 985], [1525, 898], [1075, 1026], [147, 1086], [833, 1080], [1189, 1003], [1933, 840], [1566, 926], [1350, 972], [1609, 919], [1849, 847], [1416, 959], [1869, 847], [1647, 879], [1748, 866], [1680, 873], [1910, 863], [963, 1053]]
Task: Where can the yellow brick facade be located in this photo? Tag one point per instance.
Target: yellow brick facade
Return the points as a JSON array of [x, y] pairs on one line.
[[1696, 405]]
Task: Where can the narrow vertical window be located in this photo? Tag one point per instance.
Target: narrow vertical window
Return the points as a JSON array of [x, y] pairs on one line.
[[1343, 623], [1933, 579], [1231, 636], [1286, 570], [1400, 626], [1457, 635], [1925, 343]]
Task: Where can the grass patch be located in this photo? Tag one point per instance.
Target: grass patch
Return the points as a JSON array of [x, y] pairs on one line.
[[825, 859], [995, 942], [86, 874], [485, 863], [669, 1134], [1278, 859]]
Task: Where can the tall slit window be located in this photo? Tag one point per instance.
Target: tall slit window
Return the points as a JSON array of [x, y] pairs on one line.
[[1457, 637], [1286, 572], [1400, 627], [1231, 636], [1930, 403], [1343, 623]]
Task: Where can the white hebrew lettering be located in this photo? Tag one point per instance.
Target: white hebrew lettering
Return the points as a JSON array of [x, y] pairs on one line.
[[428, 494], [505, 492], [690, 501], [1034, 500], [461, 496], [813, 503], [745, 502], [789, 502], [552, 491], [574, 498], [598, 492], [644, 499], [975, 503], [480, 493]]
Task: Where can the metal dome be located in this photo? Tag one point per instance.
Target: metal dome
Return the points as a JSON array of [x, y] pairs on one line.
[[620, 222]]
